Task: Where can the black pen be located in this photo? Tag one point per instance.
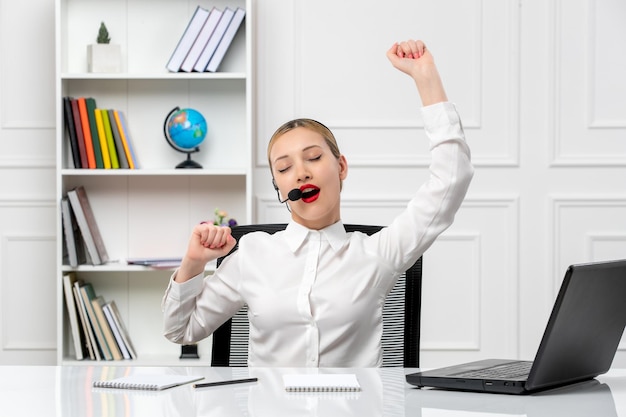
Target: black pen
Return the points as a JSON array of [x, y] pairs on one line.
[[232, 381]]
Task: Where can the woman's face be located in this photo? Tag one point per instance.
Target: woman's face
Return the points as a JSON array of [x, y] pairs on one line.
[[302, 159]]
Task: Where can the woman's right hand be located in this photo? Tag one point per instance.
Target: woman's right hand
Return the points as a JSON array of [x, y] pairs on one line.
[[207, 242], [413, 58]]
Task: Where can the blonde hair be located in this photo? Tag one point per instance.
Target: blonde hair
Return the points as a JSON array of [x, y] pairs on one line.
[[310, 124]]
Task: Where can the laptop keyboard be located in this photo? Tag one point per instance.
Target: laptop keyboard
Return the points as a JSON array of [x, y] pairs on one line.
[[505, 371]]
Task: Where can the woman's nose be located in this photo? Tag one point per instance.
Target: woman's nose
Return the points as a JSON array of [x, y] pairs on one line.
[[303, 173]]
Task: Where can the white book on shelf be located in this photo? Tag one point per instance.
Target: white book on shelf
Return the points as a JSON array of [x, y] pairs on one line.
[[189, 36], [92, 345], [80, 346], [226, 40], [106, 309], [88, 226], [202, 40], [214, 40]]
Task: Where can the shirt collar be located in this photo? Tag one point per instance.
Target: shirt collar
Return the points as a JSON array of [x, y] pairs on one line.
[[296, 234]]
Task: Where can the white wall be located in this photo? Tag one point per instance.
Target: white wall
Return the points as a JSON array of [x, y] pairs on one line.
[[539, 85]]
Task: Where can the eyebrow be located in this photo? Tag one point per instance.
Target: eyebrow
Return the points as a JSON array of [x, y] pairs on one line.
[[303, 150]]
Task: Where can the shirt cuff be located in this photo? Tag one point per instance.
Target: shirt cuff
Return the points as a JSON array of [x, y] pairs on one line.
[[181, 291], [442, 122]]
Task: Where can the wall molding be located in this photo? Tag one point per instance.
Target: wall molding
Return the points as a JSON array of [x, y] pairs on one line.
[[8, 342]]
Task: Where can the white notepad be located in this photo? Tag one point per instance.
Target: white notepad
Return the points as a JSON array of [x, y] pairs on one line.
[[321, 383], [150, 382]]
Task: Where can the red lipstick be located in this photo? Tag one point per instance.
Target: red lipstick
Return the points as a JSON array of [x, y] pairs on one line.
[[310, 193]]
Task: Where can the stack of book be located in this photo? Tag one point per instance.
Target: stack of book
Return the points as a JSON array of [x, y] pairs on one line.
[[97, 327], [83, 241], [99, 138], [206, 39]]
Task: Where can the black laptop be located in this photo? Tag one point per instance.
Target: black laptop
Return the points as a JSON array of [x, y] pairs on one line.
[[579, 343]]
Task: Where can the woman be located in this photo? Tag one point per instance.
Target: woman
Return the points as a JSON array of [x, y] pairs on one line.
[[315, 293]]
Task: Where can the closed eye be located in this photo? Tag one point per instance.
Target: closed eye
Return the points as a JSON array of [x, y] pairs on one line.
[[283, 170], [317, 158]]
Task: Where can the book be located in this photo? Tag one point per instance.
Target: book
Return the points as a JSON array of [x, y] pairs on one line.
[[214, 40], [68, 116], [201, 40], [71, 233], [189, 36], [119, 146], [124, 137], [321, 383], [119, 330], [129, 140], [87, 224], [84, 121], [80, 348], [106, 159], [87, 293], [90, 103], [226, 40], [90, 337], [156, 263], [80, 140], [97, 302], [151, 382], [110, 141]]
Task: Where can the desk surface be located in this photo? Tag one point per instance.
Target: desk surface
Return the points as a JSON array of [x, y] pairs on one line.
[[66, 391]]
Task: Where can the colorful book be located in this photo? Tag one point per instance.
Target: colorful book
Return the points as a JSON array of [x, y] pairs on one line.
[[226, 40], [117, 138], [79, 135], [110, 141], [95, 135], [106, 159], [71, 130], [201, 40], [124, 138], [84, 121], [190, 34], [128, 138], [214, 40]]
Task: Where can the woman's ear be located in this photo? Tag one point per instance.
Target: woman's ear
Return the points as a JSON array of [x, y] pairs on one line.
[[343, 167]]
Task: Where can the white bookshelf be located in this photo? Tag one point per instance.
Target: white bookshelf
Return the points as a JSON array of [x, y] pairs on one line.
[[150, 211]]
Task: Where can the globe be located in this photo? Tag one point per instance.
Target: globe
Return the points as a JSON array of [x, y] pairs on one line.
[[185, 130]]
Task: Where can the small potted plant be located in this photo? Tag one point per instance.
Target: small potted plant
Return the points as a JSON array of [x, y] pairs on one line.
[[103, 56]]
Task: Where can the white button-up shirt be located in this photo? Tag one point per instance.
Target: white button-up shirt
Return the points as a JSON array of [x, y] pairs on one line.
[[315, 298]]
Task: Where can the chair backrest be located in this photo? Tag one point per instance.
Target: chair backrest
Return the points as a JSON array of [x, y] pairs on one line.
[[401, 315]]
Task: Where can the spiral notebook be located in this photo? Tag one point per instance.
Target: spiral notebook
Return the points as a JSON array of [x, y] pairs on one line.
[[149, 382], [321, 383]]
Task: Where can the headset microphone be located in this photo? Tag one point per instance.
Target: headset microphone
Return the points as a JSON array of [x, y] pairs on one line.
[[294, 195]]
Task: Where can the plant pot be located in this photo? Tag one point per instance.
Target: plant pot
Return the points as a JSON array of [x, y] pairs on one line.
[[104, 58]]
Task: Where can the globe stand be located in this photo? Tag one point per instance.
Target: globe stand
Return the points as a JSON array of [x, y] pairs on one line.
[[187, 163]]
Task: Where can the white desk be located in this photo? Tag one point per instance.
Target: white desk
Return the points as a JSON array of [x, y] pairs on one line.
[[66, 391]]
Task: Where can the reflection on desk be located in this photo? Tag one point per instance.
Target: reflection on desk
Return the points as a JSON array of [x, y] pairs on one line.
[[585, 399], [67, 392], [382, 394]]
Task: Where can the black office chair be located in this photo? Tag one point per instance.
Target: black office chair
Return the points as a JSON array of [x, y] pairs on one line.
[[401, 315]]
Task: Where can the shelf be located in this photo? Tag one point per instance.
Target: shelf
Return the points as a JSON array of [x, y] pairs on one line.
[[167, 76], [153, 172], [124, 267], [150, 211], [145, 360]]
